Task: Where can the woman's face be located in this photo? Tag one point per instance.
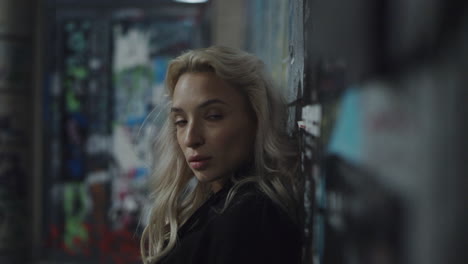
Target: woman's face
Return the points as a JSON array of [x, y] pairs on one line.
[[214, 125]]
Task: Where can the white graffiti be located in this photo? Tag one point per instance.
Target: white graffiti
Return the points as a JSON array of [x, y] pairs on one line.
[[131, 48], [98, 144]]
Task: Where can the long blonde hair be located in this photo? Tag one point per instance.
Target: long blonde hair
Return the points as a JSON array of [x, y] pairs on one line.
[[274, 161]]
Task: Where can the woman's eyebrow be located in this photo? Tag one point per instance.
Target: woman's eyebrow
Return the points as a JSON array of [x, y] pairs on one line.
[[210, 102], [202, 105]]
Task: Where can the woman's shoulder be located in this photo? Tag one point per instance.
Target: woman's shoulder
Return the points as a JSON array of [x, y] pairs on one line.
[[250, 205], [247, 197], [257, 229]]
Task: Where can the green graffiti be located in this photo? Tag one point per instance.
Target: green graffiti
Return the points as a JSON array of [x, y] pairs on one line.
[[134, 79], [77, 72], [75, 210], [73, 104], [70, 26], [77, 41]]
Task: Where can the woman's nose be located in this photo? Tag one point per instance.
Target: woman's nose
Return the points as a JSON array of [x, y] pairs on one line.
[[194, 135]]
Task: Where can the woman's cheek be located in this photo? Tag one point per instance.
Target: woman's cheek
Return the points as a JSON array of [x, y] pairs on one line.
[[223, 137]]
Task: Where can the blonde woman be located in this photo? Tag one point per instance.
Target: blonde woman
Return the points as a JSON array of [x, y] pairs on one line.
[[226, 128]]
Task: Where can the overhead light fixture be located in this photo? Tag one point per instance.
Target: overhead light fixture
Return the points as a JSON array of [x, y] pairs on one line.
[[192, 1]]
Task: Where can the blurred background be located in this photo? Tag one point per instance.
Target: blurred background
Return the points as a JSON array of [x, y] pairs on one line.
[[377, 92]]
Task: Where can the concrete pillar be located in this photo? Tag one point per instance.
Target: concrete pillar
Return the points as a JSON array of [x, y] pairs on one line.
[[16, 144]]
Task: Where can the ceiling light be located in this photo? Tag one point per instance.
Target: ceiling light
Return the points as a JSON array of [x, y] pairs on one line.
[[192, 1]]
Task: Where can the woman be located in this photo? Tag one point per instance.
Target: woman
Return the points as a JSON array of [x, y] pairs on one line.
[[226, 127]]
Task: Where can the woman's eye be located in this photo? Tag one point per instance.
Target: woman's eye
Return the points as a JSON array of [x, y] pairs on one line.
[[179, 123], [214, 117]]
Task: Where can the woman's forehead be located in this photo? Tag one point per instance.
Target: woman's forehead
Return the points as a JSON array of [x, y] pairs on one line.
[[199, 87]]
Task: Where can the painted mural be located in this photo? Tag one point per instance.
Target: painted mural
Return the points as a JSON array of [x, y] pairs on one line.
[[268, 37], [102, 112]]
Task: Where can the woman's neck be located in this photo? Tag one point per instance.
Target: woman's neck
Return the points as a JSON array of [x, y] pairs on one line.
[[216, 186]]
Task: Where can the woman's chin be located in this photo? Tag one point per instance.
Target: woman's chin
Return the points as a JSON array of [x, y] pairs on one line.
[[215, 181], [201, 177]]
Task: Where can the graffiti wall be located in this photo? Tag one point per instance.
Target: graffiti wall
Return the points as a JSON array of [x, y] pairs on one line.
[[105, 86], [268, 36]]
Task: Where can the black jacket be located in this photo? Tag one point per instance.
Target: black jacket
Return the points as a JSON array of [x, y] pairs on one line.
[[251, 230]]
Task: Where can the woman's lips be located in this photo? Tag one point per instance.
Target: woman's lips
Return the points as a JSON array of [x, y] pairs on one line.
[[199, 164]]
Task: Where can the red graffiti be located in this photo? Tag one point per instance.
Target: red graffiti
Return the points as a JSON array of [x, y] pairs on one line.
[[107, 246]]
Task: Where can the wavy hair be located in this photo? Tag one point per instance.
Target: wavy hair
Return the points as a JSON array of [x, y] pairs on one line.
[[275, 158]]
